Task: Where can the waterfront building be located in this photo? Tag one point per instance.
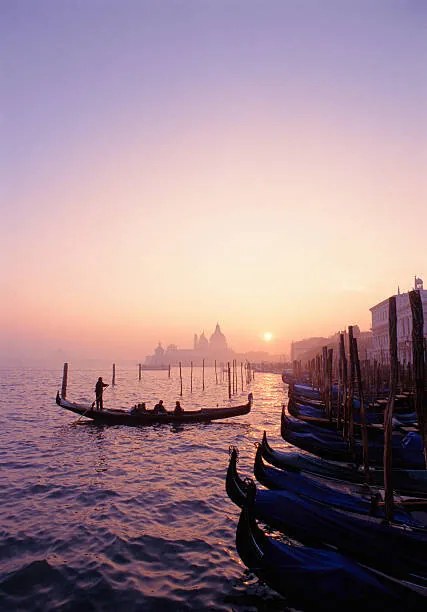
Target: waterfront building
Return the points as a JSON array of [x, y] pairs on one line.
[[300, 348], [309, 348], [214, 349], [380, 349]]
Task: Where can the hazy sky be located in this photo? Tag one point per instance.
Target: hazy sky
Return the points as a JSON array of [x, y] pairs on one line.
[[169, 164]]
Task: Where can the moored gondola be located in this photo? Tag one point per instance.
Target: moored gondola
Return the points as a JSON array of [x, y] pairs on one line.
[[405, 481], [316, 415], [407, 449], [320, 580], [301, 426], [398, 550], [110, 416], [358, 499]]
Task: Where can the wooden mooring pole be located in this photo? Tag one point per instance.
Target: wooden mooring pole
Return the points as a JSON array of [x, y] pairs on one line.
[[418, 361], [388, 416], [350, 390], [229, 380], [191, 377], [325, 378], [64, 381], [113, 382], [329, 362], [233, 370], [342, 399], [362, 410], [180, 377], [139, 374], [203, 375]]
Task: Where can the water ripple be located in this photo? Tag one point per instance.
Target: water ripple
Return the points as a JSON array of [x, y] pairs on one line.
[[98, 518]]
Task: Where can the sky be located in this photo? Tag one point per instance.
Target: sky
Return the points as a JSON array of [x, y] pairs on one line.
[[169, 164]]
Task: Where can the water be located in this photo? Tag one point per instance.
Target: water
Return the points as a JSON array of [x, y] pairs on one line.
[[95, 517]]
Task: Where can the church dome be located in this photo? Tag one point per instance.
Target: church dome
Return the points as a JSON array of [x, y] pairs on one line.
[[218, 340], [159, 351]]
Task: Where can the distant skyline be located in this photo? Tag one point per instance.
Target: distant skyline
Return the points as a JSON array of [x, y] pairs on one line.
[[166, 165]]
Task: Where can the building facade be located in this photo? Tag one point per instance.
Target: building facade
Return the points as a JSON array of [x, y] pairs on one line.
[[305, 350], [380, 349], [300, 348]]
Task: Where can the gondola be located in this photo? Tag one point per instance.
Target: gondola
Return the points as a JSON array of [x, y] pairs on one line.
[[407, 449], [320, 580], [396, 549], [374, 431], [305, 394], [111, 416], [405, 481], [305, 390], [316, 415], [310, 414], [300, 426], [351, 497]]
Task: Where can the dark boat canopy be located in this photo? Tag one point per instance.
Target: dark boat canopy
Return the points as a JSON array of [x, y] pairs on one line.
[[318, 579]]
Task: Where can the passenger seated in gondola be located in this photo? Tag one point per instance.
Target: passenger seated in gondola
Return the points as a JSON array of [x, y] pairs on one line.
[[159, 408], [139, 409], [178, 408]]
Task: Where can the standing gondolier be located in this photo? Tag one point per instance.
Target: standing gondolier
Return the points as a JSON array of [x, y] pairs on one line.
[[99, 388]]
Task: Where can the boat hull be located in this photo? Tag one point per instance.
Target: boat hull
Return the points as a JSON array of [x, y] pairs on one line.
[[406, 482], [316, 579], [123, 417]]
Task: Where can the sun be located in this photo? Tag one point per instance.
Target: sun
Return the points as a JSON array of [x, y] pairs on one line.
[[268, 336]]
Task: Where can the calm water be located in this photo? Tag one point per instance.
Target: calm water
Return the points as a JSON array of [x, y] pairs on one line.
[[99, 518]]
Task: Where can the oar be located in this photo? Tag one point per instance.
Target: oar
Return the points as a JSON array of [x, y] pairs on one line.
[[83, 414], [87, 409]]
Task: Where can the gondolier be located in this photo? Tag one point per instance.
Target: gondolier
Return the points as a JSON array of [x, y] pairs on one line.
[[99, 389]]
